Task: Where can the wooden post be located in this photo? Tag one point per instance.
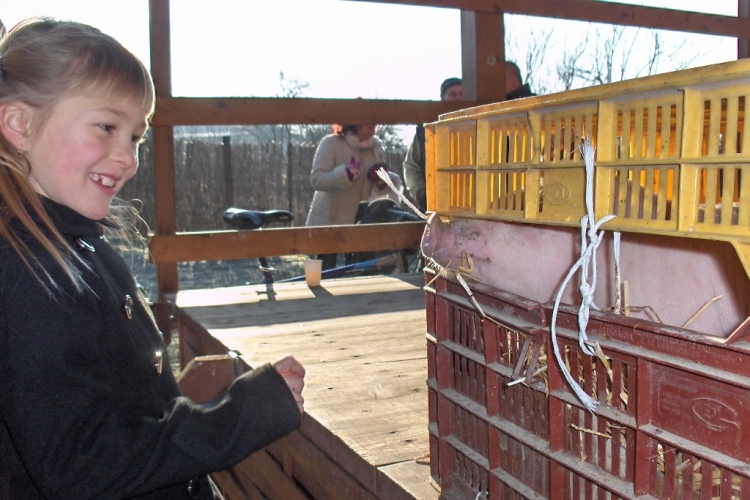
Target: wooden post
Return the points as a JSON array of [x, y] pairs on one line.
[[166, 221], [743, 44], [483, 56], [290, 175], [226, 143]]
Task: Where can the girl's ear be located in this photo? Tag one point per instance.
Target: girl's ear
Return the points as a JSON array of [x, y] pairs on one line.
[[15, 124]]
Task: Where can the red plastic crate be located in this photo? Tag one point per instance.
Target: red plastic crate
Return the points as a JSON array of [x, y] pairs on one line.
[[463, 447], [432, 397], [673, 419]]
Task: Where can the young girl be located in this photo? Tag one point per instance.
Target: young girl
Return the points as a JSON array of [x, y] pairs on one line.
[[88, 405]]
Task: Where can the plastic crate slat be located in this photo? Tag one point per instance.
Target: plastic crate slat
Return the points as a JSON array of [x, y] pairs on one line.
[[515, 485], [432, 429], [707, 454], [463, 351], [672, 350], [466, 450], [457, 398], [497, 315], [677, 362], [592, 474], [540, 446]]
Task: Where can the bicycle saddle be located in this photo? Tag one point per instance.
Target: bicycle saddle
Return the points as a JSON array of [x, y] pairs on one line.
[[242, 218]]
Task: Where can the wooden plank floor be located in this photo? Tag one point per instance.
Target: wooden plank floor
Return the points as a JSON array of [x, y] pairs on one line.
[[362, 341]]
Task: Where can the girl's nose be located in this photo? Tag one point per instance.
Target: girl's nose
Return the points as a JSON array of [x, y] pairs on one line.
[[127, 156]]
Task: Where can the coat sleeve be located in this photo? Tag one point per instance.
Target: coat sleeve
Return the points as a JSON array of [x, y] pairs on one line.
[[78, 437], [414, 170], [326, 175]]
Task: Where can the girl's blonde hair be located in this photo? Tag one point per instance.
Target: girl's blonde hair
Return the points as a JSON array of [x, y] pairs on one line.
[[42, 61]]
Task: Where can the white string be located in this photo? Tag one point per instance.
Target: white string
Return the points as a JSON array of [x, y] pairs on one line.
[[383, 174], [590, 241]]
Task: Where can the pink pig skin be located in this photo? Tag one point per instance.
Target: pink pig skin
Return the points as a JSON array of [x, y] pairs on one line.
[[674, 276]]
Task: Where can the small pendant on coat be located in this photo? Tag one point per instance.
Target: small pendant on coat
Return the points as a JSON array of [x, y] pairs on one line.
[[158, 362], [127, 307], [84, 245]]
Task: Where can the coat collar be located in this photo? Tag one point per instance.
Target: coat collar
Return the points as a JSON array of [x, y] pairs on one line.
[[70, 222]]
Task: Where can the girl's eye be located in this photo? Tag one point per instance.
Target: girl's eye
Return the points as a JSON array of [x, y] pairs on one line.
[[106, 127]]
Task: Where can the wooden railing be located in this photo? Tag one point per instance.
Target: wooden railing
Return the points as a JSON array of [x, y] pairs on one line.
[[228, 245]]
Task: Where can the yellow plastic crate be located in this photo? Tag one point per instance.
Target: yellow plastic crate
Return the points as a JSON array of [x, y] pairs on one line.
[[671, 153], [455, 161], [503, 157], [557, 172]]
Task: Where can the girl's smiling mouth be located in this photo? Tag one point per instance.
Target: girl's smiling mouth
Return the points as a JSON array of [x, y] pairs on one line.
[[105, 181]]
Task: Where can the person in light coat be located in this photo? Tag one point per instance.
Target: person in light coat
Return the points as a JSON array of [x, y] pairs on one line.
[[343, 175]]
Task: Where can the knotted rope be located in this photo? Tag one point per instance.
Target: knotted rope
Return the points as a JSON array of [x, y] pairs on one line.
[[590, 240]]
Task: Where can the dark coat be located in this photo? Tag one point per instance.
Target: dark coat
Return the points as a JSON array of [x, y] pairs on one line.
[[521, 92], [83, 412]]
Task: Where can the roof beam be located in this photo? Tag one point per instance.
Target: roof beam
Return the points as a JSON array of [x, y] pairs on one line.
[[600, 12], [281, 110]]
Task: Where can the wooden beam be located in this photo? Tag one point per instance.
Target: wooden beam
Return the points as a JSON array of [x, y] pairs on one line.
[[469, 63], [161, 68], [229, 245], [600, 12], [482, 56], [166, 206], [743, 44], [261, 111], [164, 180]]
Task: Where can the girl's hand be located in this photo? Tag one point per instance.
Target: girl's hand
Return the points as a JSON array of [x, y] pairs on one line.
[[354, 169], [293, 374], [373, 175]]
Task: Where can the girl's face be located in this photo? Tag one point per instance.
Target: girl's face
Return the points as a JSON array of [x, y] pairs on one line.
[[85, 151], [365, 132]]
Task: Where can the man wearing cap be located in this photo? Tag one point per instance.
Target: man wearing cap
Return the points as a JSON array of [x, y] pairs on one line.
[[414, 163]]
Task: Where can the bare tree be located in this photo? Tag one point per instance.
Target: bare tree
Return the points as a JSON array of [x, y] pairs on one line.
[[313, 133], [567, 68], [676, 56], [534, 60], [602, 54], [530, 59], [611, 57]]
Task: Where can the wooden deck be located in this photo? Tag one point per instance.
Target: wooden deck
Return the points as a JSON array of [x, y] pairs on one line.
[[362, 341]]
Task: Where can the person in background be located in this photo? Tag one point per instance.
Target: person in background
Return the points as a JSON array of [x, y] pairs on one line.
[[90, 408], [414, 162], [344, 174], [514, 89]]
